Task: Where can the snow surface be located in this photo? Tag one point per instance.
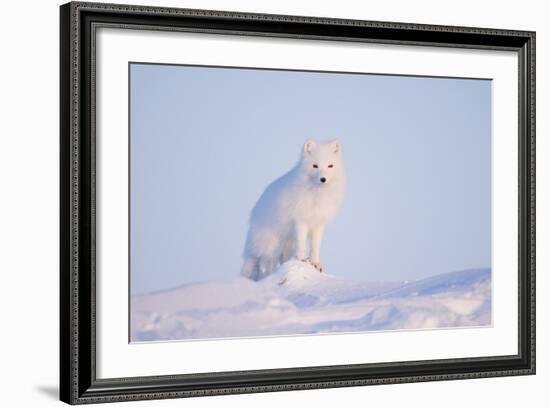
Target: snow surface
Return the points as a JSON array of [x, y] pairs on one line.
[[297, 299]]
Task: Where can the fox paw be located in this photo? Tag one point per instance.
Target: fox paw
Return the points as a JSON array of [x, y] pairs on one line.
[[315, 264]]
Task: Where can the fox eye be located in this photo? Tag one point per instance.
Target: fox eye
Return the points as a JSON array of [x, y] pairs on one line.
[[315, 166], [330, 166]]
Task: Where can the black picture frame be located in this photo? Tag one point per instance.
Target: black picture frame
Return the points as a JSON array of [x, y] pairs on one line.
[[78, 381]]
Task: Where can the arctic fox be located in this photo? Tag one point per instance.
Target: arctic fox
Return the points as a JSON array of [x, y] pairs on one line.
[[294, 209]]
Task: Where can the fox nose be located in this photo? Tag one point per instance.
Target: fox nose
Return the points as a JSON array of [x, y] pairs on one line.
[[323, 179]]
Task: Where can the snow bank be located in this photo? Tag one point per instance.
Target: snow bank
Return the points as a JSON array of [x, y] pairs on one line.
[[297, 299]]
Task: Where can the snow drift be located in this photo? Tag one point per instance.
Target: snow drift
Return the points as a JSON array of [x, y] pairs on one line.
[[297, 299]]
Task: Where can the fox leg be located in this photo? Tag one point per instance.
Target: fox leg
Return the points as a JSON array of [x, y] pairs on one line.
[[300, 239], [250, 269], [316, 237], [286, 253], [265, 266]]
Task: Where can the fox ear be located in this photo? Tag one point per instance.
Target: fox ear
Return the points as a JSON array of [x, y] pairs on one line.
[[309, 145], [336, 147]]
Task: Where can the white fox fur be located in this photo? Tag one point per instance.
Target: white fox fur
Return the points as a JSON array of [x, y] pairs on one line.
[[294, 210]]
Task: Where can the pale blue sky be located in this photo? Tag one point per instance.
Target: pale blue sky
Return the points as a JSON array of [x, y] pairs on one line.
[[205, 142]]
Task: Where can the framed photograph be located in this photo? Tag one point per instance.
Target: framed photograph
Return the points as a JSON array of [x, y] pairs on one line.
[[255, 203]]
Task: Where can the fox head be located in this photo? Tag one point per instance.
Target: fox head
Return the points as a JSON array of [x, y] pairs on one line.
[[322, 162]]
